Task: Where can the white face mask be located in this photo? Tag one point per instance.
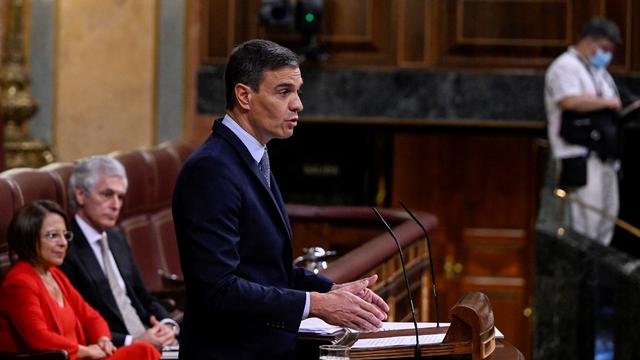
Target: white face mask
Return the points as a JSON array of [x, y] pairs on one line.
[[601, 59]]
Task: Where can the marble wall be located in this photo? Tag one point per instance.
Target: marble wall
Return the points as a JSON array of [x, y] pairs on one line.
[[403, 94], [509, 97], [586, 295]]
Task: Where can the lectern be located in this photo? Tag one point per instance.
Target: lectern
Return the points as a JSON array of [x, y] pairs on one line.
[[470, 335]]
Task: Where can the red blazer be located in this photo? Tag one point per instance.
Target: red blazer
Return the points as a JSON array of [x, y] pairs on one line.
[[28, 322]]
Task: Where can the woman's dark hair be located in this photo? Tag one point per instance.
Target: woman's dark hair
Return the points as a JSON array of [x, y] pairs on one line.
[[24, 229], [248, 62]]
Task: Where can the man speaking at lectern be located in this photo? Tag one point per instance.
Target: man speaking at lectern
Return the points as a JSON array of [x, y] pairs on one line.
[[245, 300]]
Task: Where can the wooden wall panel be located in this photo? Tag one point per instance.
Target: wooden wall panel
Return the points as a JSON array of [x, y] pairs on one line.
[[355, 32], [502, 32], [219, 30], [495, 252], [350, 21], [413, 31], [504, 23], [620, 11], [432, 33], [482, 186], [527, 33], [372, 43]]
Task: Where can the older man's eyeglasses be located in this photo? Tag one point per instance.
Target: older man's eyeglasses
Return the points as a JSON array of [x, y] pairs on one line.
[[56, 235]]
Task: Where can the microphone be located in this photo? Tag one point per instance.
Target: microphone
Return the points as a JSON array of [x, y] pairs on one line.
[[406, 280], [433, 276]]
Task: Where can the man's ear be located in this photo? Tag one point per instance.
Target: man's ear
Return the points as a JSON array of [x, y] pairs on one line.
[[79, 194], [243, 96]]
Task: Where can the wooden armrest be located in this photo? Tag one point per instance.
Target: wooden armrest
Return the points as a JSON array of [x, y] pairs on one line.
[[168, 303], [171, 281], [173, 308], [171, 299], [41, 355], [342, 213], [367, 256]]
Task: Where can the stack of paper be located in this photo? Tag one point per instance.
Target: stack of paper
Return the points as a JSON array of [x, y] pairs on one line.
[[318, 326]]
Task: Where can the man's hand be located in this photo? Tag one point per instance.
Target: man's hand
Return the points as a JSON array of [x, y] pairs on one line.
[[365, 294], [351, 305], [159, 335]]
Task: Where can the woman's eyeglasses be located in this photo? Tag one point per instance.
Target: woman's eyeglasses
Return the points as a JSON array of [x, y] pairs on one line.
[[55, 235]]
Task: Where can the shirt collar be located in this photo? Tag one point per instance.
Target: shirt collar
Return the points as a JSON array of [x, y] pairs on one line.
[[582, 59], [90, 233], [252, 144]]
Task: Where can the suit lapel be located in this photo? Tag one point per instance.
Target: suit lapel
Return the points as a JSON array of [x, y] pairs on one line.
[[117, 252], [277, 196], [273, 192], [90, 264]]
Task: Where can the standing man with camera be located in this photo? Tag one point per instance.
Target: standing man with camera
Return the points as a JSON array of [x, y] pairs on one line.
[[578, 81]]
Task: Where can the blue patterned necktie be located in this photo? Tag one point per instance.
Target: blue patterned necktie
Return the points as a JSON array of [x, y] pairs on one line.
[[265, 168]]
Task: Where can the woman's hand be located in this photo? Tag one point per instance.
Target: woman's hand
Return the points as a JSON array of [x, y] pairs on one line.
[[106, 345], [90, 352]]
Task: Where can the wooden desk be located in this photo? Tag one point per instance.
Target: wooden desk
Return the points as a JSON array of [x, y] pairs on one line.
[[308, 350]]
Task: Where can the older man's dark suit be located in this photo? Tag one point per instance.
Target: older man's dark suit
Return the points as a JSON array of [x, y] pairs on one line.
[[86, 275], [234, 239]]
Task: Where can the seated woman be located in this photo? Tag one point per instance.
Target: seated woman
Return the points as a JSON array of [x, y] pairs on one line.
[[39, 308]]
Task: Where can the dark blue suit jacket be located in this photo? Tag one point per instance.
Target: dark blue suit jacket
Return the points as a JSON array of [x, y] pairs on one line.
[[82, 268], [244, 297]]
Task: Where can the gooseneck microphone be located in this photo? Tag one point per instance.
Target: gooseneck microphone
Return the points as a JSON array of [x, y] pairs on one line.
[[406, 280], [433, 276]]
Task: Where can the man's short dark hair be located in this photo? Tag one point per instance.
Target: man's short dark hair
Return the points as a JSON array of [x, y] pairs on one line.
[[248, 62], [24, 229], [599, 27]]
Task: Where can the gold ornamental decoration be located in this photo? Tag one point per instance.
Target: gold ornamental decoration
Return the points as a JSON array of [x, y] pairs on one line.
[[16, 104]]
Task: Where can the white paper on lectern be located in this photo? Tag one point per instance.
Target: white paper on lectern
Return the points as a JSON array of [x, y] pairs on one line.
[[318, 326], [397, 341], [314, 325], [409, 325]]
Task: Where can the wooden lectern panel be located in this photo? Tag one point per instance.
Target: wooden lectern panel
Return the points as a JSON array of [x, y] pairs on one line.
[[472, 320], [471, 332]]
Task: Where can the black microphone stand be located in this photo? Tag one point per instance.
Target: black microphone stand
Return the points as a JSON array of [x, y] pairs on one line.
[[406, 281], [433, 276]]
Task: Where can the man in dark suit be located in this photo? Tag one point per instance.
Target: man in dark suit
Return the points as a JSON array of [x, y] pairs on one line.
[[245, 300], [99, 263]]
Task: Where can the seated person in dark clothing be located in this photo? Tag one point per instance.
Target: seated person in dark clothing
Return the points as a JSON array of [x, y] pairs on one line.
[[100, 265]]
